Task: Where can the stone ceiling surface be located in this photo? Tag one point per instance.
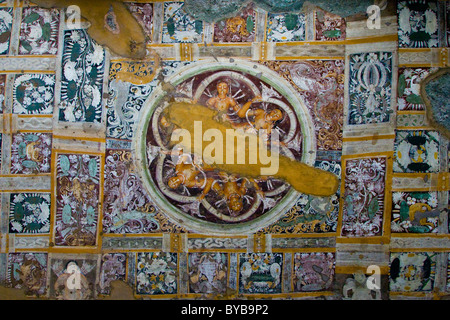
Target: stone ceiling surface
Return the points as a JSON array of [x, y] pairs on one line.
[[91, 191]]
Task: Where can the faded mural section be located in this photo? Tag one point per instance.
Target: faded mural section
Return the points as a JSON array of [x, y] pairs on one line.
[[89, 185]]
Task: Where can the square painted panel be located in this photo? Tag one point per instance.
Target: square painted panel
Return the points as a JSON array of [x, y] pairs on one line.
[[320, 83], [364, 197], [285, 27], [447, 19], [415, 212], [34, 93], [208, 272], [31, 153], [2, 92], [127, 206], [39, 31], [260, 273], [125, 99], [416, 151], [409, 87], [179, 27], [143, 12], [27, 271], [29, 213], [418, 24], [311, 214], [83, 65], [240, 28], [412, 271], [1, 142], [313, 271], [156, 273], [6, 21], [72, 278], [370, 81]]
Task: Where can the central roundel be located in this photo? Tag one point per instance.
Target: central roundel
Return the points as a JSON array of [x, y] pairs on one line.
[[201, 197]]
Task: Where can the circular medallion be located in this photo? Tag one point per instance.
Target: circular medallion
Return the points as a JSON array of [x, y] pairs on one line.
[[201, 197]]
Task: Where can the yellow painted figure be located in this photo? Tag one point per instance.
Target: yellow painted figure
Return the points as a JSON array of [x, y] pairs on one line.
[[301, 177]]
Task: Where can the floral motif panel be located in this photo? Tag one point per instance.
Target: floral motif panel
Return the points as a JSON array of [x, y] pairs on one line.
[[156, 273], [409, 88], [370, 81], [412, 271], [77, 199], [39, 31], [285, 27], [83, 64], [329, 27], [34, 93], [415, 212], [28, 271]]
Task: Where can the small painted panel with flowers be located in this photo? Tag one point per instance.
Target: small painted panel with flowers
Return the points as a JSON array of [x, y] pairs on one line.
[[6, 22], [34, 93], [39, 31], [284, 27], [416, 151], [31, 153], [83, 65], [418, 24], [409, 87]]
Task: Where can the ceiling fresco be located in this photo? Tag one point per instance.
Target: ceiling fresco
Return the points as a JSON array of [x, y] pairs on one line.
[[209, 149]]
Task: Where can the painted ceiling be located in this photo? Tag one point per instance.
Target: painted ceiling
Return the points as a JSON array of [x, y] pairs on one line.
[[89, 188]]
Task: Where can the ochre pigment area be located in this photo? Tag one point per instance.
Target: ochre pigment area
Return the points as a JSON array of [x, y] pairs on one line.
[[124, 35], [300, 176]]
